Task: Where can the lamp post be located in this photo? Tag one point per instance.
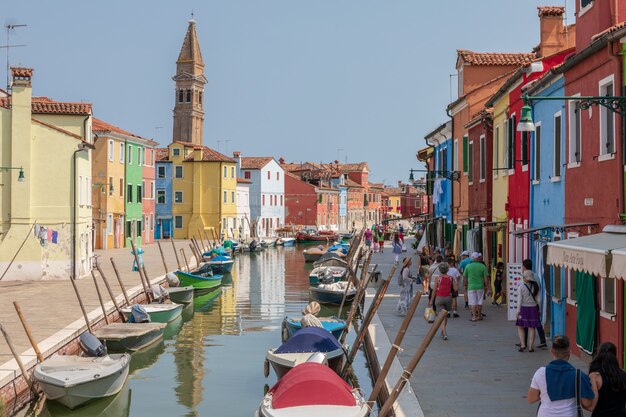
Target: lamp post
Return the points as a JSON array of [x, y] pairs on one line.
[[20, 175]]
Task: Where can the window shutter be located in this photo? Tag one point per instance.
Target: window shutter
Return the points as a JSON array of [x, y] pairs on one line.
[[465, 149], [430, 177]]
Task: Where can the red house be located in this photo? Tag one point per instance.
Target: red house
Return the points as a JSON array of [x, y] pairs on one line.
[[480, 158]]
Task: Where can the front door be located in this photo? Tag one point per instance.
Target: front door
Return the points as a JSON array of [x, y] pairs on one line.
[[557, 301]]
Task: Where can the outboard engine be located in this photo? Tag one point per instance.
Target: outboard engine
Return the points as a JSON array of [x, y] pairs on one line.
[[172, 279], [318, 357], [327, 277], [91, 345], [253, 245], [138, 314]]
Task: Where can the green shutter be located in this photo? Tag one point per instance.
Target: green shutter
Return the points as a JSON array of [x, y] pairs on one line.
[[429, 183], [465, 153]]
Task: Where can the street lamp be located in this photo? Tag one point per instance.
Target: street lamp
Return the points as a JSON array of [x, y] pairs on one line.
[[20, 174]]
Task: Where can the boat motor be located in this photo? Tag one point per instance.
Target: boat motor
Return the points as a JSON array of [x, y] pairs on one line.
[[172, 279], [318, 357], [91, 345]]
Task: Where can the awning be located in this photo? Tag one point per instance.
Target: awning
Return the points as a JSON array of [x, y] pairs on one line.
[[618, 263], [522, 232], [163, 217], [591, 254]]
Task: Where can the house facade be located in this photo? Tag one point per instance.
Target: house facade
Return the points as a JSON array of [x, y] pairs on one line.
[[242, 224], [164, 225]]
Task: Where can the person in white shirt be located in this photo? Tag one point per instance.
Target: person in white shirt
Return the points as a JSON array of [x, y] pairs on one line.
[[457, 277]]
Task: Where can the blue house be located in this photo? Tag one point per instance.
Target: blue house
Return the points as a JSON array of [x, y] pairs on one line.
[[547, 192], [164, 227]]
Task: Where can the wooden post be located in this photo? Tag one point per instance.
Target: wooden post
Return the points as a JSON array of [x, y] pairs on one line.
[[29, 334], [119, 281], [208, 241], [185, 258], [163, 257], [104, 311], [111, 295], [176, 254], [82, 306], [141, 278], [408, 371], [204, 248], [394, 349], [198, 249], [351, 278], [359, 294], [18, 359], [195, 254]]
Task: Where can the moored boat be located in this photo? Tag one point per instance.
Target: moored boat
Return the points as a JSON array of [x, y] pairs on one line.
[[312, 390], [75, 380], [181, 295], [331, 259], [286, 241], [159, 313], [334, 273], [129, 337], [334, 325], [298, 348], [199, 279], [309, 237], [332, 293], [313, 254], [220, 264]]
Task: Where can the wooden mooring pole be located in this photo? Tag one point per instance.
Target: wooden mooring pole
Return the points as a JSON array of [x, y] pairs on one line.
[[29, 334], [111, 295], [104, 311], [163, 257], [119, 281], [180, 267], [17, 358]]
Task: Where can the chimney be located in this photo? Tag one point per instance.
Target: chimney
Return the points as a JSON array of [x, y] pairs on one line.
[[552, 34], [21, 137], [281, 160], [237, 157]]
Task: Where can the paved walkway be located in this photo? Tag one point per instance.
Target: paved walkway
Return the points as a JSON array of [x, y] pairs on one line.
[[477, 371], [51, 306]]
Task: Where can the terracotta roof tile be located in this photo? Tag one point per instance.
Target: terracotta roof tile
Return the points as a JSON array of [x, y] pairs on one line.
[[255, 162], [98, 125], [551, 10], [22, 72], [351, 183], [360, 166], [612, 29], [484, 114], [391, 191], [44, 105], [493, 58], [162, 154], [208, 155]]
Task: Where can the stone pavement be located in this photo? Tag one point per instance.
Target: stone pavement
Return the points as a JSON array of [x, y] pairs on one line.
[[477, 371], [51, 306]]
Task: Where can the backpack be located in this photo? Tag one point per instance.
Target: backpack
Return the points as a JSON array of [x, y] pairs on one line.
[[400, 280]]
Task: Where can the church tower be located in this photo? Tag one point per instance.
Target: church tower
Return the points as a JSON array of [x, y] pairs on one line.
[[190, 81]]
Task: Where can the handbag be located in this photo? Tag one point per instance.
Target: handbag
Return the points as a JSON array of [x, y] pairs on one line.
[[429, 315], [579, 408]]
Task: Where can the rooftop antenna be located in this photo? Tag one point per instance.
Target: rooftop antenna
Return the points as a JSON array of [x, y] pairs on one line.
[[339, 150], [8, 46], [225, 141]]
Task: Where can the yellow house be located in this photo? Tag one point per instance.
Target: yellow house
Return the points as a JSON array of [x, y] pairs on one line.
[[500, 173], [204, 188], [45, 197], [395, 201]]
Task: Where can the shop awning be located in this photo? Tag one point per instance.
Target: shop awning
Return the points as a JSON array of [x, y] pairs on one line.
[[591, 254], [618, 263]]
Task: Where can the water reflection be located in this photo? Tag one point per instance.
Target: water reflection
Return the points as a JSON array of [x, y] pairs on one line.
[[114, 406]]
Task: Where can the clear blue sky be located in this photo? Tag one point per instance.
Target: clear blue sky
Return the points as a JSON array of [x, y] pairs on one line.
[[292, 78]]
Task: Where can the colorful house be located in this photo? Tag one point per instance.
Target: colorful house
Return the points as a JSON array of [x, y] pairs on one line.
[[242, 222], [45, 198], [164, 228], [148, 186]]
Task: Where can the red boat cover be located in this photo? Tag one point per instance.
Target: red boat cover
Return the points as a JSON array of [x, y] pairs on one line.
[[311, 384]]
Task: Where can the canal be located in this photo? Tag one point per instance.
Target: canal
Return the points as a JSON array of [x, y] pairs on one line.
[[210, 362]]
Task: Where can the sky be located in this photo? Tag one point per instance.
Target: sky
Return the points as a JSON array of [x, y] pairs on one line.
[[316, 80]]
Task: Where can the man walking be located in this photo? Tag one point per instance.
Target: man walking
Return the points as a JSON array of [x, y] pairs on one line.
[[457, 277], [477, 278], [465, 260]]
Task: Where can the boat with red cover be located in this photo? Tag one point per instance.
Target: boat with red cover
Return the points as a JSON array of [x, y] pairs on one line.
[[310, 237], [312, 390]]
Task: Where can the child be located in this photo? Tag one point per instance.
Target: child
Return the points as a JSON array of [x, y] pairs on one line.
[[497, 285], [397, 248]]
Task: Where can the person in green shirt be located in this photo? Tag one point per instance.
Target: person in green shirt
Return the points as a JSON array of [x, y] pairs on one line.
[[477, 278], [465, 260]]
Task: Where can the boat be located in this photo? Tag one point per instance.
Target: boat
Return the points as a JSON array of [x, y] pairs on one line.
[[129, 337], [268, 243], [310, 390], [199, 279], [204, 301], [313, 254], [112, 406], [253, 246], [330, 259], [159, 313], [291, 325], [346, 236], [311, 236], [330, 273], [220, 264], [76, 380], [299, 347], [286, 241], [181, 295], [332, 293]]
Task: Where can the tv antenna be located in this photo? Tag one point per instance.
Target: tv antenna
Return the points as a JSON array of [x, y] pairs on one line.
[[8, 46]]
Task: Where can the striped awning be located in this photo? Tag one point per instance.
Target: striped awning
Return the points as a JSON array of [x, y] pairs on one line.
[[618, 263]]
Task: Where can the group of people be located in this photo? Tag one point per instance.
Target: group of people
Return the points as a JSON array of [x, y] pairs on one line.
[[375, 236]]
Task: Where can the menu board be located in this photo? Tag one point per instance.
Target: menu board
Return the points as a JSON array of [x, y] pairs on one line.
[[513, 281]]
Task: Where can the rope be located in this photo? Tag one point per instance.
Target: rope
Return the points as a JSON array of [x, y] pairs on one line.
[[398, 348]]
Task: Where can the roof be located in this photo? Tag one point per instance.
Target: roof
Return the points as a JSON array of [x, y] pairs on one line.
[[486, 83], [605, 32], [208, 155], [425, 153], [190, 51], [98, 125], [21, 72], [392, 191], [58, 129], [484, 114], [255, 162], [550, 10], [376, 185], [44, 105], [493, 58], [162, 155], [351, 183], [542, 81], [360, 166]]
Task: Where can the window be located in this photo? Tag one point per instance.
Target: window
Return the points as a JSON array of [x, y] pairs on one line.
[[505, 146], [178, 197], [143, 189], [584, 6], [111, 150], [188, 96], [246, 175], [110, 186], [608, 289], [607, 120], [483, 158], [161, 199], [140, 191], [109, 224], [470, 162], [180, 96], [122, 152], [281, 200], [511, 143], [178, 222], [121, 187], [225, 197], [524, 145], [225, 172], [277, 176], [537, 156], [161, 172], [465, 153], [232, 197], [178, 171], [129, 193], [130, 154], [139, 227], [496, 154], [232, 172], [200, 97], [455, 155], [139, 156], [151, 189], [556, 169], [269, 174], [557, 290], [175, 151], [574, 131], [263, 200], [128, 229]]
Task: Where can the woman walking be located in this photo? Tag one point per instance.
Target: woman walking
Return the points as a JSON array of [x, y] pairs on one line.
[[396, 248], [610, 381], [381, 239], [444, 287], [527, 311], [368, 239], [406, 281]]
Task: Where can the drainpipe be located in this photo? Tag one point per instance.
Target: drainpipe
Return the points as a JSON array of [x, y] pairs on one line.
[[452, 228]]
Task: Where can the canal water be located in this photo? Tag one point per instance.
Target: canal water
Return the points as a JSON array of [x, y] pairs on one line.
[[210, 362]]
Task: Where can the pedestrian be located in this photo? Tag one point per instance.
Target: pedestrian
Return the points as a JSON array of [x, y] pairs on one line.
[[381, 239], [368, 238], [527, 311], [609, 381], [497, 285], [554, 385], [465, 260], [433, 273], [406, 281], [444, 286], [375, 237], [527, 265], [401, 233], [396, 248], [477, 277], [457, 277]]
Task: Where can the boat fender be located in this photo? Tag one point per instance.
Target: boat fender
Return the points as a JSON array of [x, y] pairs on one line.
[[266, 368], [318, 357], [284, 333]]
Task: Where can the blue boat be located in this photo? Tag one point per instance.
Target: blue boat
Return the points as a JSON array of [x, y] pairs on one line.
[[220, 264], [334, 325]]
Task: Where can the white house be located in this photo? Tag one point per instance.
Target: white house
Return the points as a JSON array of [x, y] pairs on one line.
[[243, 220], [267, 192]]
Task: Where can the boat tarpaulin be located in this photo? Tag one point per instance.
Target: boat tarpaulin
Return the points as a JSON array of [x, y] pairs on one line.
[[591, 254], [311, 384], [310, 339], [618, 263], [586, 313]]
